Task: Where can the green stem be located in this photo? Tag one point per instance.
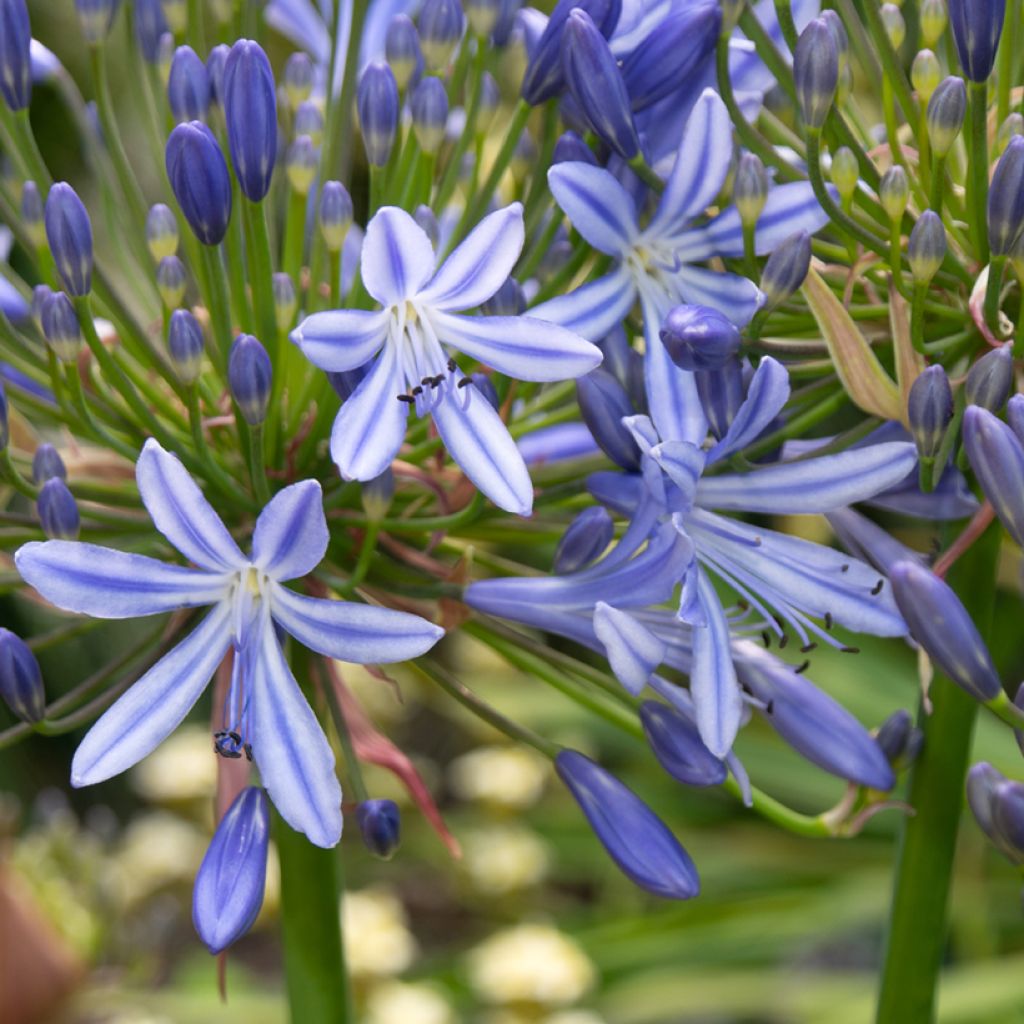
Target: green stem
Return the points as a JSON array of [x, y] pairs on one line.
[[992, 290], [917, 925], [977, 161], [215, 297], [917, 316], [257, 463]]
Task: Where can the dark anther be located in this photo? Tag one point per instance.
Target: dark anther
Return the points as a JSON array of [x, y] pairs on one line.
[[769, 708], [766, 638], [742, 605], [783, 640], [247, 747], [408, 399], [828, 620], [845, 567], [850, 650], [802, 667], [877, 589], [807, 648], [426, 380], [417, 390], [465, 382], [451, 365], [436, 381], [226, 743]]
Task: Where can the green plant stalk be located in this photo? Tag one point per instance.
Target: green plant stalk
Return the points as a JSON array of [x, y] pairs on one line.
[[992, 290], [977, 167], [938, 172], [294, 232], [316, 981], [917, 925], [451, 172], [215, 297], [1004, 74], [917, 307]]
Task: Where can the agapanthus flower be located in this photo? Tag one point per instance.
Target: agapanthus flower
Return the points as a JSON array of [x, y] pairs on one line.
[[419, 320], [265, 715]]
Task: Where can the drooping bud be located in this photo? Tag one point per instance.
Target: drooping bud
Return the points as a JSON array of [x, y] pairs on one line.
[[990, 379], [402, 49], [229, 885], [249, 375], [185, 345], [815, 72], [932, 18], [309, 120], [216, 62], [926, 248], [441, 24], [61, 328], [584, 540], [15, 57], [929, 410], [844, 172], [161, 231], [188, 87], [32, 213], [21, 682], [69, 234], [57, 510], [380, 826], [976, 26], [508, 300], [595, 81], [944, 116], [171, 281], [571, 148], [377, 100], [895, 26], [894, 191], [482, 16], [47, 463], [286, 302], [634, 836], [199, 178], [899, 739], [925, 74], [699, 338], [250, 111], [1006, 199], [998, 807], [298, 78], [428, 105], [335, 214], [940, 624], [721, 395], [678, 747], [300, 164], [997, 458], [603, 403], [786, 269], [749, 188]]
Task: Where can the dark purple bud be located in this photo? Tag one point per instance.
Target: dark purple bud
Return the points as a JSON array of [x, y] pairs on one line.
[[944, 116], [544, 78], [95, 18], [199, 178], [171, 281], [250, 110], [150, 26], [508, 9], [21, 682], [927, 247], [32, 212], [976, 27], [335, 214], [229, 886], [670, 55], [786, 268], [441, 24], [1006, 198], [982, 780], [721, 394], [377, 100], [899, 739], [816, 72], [483, 383], [584, 541], [699, 338], [61, 328], [571, 148], [997, 458], [215, 65], [428, 105], [298, 78], [57, 510], [929, 410], [286, 302], [69, 234], [250, 375], [47, 463], [15, 57], [185, 345], [990, 379], [603, 403], [380, 825], [508, 300], [188, 88], [634, 836], [998, 807], [402, 49], [940, 624], [161, 231], [593, 76], [678, 747]]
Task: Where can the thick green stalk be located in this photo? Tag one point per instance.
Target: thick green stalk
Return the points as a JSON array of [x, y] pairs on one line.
[[977, 168], [917, 925]]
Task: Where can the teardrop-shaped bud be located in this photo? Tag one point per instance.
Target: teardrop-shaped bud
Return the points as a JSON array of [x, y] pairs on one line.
[[815, 72], [584, 540], [380, 826], [699, 337], [250, 375], [678, 747], [69, 234], [21, 682], [57, 510], [929, 410]]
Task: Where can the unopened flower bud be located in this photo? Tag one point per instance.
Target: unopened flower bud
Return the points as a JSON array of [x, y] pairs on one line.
[[250, 111], [815, 72], [402, 49], [380, 826], [69, 234], [678, 747], [15, 57], [47, 463], [584, 540], [786, 269], [428, 105], [1009, 129], [750, 188], [485, 386], [998, 806], [161, 231], [899, 739], [309, 120], [300, 164], [21, 682], [377, 100], [441, 23], [570, 148], [249, 376], [215, 64], [894, 191], [61, 328], [926, 248], [298, 78], [508, 300], [976, 26], [721, 395], [603, 403], [1006, 199], [150, 26], [895, 26], [185, 345], [990, 379], [944, 116], [335, 214], [57, 510], [925, 74], [377, 494], [997, 458], [929, 410], [199, 178], [482, 16], [40, 295], [229, 885], [699, 337], [1015, 416], [171, 281], [839, 36], [188, 87], [932, 18], [845, 172], [286, 302]]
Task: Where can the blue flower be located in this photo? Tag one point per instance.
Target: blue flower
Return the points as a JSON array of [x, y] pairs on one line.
[[265, 713], [418, 319]]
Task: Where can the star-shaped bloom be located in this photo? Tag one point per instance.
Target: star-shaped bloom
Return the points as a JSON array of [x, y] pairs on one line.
[[265, 715], [418, 324]]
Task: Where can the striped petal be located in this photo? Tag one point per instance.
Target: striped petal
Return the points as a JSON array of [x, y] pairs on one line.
[[633, 651], [600, 209], [594, 309], [290, 538], [397, 259], [342, 339]]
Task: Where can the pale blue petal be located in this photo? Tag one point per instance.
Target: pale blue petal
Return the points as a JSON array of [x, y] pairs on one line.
[[342, 339], [154, 706], [290, 538], [633, 651], [370, 426], [557, 442], [521, 346], [811, 485], [766, 396], [683, 463], [294, 758], [951, 498], [360, 633], [732, 295], [702, 163], [110, 584], [621, 492], [594, 309], [299, 22], [181, 513], [868, 541], [397, 259], [716, 693], [478, 440], [480, 265], [600, 209]]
